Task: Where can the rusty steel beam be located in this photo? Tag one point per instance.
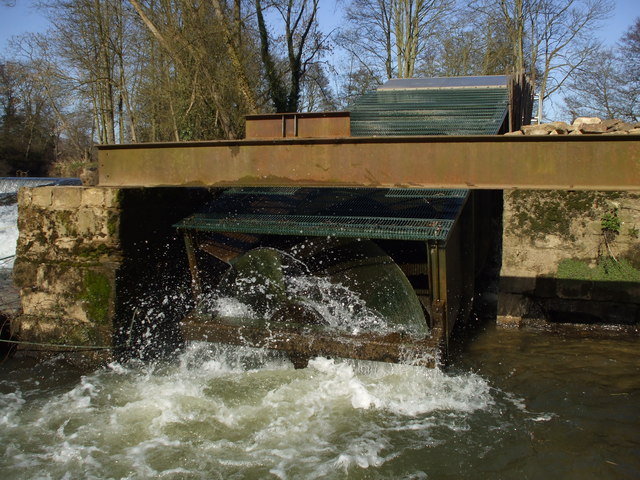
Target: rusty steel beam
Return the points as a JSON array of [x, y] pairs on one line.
[[598, 162], [300, 125], [393, 348]]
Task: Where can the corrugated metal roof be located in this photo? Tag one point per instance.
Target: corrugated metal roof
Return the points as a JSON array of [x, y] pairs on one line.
[[479, 81], [430, 111], [412, 214]]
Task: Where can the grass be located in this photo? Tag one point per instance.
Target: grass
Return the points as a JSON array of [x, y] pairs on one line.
[[606, 270]]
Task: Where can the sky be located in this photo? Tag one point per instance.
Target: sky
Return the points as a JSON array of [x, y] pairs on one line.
[[23, 17]]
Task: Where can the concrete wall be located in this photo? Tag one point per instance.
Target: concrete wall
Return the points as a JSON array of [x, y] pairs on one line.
[[556, 263]]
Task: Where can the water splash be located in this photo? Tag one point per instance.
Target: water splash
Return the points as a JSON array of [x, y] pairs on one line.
[[8, 234], [227, 412], [261, 284]]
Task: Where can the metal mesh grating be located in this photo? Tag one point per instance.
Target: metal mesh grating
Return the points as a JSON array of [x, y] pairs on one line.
[[391, 214], [351, 227], [423, 192], [262, 191], [461, 111]]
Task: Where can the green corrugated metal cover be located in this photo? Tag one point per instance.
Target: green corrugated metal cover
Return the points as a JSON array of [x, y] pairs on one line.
[[391, 214], [430, 111]]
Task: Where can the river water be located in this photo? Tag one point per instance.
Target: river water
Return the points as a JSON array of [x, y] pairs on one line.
[[514, 404]]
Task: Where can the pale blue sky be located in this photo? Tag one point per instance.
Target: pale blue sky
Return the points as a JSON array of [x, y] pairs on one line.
[[24, 18]]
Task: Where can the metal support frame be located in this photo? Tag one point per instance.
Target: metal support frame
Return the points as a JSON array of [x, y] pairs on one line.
[[581, 162], [438, 290]]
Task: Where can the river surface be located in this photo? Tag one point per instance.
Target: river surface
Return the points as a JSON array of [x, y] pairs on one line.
[[514, 404]]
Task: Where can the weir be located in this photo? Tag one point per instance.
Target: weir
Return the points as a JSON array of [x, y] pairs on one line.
[[410, 180]]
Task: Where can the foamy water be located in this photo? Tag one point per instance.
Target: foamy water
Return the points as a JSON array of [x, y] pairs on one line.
[[254, 296], [8, 234], [222, 412], [518, 405]]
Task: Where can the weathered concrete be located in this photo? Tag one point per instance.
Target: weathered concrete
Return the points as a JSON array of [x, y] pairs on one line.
[[553, 241]]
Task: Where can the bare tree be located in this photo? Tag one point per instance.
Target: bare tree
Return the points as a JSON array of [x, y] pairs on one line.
[[630, 54], [316, 94], [595, 87], [390, 37], [562, 39], [26, 126], [208, 59], [303, 42], [415, 22], [608, 84], [549, 39]]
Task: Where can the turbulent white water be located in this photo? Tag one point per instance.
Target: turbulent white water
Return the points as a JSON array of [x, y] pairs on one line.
[[539, 406], [8, 234], [9, 187], [270, 280], [341, 309], [223, 412]]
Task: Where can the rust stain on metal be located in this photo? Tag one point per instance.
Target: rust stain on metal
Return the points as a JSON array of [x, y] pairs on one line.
[[488, 162]]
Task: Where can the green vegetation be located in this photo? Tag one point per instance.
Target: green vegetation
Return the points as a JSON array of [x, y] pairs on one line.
[[606, 270], [610, 222], [538, 214], [96, 294], [93, 253], [113, 223]]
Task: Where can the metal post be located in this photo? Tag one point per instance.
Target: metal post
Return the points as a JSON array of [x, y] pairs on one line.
[[196, 283]]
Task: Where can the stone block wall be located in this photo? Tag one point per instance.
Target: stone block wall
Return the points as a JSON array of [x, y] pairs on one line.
[[559, 264], [67, 259], [103, 266]]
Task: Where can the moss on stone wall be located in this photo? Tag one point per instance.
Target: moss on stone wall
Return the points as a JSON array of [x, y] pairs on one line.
[[537, 214], [93, 253], [66, 223], [113, 223], [96, 295]]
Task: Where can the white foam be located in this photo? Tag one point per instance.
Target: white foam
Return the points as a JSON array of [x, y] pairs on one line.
[[8, 234], [225, 409], [10, 405]]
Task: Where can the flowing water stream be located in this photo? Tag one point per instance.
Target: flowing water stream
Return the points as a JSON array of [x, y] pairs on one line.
[[514, 404]]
